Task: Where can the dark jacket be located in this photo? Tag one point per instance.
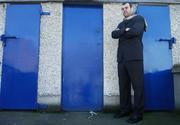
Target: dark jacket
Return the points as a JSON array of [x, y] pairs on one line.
[[130, 42]]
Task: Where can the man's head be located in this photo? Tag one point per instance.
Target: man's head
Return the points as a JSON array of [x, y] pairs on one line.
[[127, 9]]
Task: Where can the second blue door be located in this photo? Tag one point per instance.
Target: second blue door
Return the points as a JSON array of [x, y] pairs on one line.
[[82, 80], [159, 91]]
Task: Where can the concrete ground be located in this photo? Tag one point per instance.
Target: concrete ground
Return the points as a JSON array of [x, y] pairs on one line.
[[84, 118]]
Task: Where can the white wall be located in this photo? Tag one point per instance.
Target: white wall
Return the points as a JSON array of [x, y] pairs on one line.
[[112, 17], [175, 31], [49, 82], [2, 28]]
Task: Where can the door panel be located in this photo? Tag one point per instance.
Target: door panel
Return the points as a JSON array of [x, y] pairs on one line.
[[20, 57], [82, 88], [159, 93]]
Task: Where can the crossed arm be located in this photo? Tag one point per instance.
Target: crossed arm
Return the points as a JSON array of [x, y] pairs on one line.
[[128, 32]]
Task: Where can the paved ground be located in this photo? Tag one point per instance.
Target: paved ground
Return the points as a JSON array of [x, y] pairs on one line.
[[83, 118]]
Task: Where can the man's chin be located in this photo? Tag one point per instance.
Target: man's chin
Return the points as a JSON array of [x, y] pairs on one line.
[[126, 16]]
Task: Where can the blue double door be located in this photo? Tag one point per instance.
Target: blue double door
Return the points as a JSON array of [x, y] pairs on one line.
[[18, 89]]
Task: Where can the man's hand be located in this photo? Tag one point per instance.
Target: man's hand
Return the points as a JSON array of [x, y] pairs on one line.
[[127, 29]]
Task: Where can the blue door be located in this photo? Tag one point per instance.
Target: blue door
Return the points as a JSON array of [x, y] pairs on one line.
[[82, 77], [159, 93], [20, 57]]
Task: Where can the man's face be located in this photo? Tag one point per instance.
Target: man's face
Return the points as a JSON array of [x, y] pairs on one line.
[[126, 10]]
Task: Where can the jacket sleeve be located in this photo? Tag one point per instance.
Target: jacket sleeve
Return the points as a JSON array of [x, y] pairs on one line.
[[118, 32], [136, 29]]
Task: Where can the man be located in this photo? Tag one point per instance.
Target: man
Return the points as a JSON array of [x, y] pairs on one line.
[[130, 63]]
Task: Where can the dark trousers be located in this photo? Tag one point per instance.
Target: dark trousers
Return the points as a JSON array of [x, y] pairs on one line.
[[131, 72]]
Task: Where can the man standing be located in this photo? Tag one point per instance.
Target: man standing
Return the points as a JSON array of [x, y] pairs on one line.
[[130, 63]]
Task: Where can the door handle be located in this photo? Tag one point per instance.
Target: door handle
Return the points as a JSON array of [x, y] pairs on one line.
[[4, 38], [170, 41]]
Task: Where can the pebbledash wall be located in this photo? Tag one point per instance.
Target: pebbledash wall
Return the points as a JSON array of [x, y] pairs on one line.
[[49, 80]]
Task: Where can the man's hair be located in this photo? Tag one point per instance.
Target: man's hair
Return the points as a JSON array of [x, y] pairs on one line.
[[130, 4]]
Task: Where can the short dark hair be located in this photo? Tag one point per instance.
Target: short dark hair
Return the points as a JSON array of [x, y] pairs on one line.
[[130, 4]]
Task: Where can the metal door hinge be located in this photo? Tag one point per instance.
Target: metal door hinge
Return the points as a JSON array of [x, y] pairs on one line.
[[4, 38], [170, 41]]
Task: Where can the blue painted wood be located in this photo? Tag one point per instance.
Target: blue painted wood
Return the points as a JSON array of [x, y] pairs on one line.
[[21, 57], [82, 85], [159, 89]]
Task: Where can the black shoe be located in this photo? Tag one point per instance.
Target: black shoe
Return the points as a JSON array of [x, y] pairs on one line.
[[121, 114], [134, 119]]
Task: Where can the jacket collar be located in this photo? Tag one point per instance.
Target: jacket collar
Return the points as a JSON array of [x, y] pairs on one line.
[[130, 17]]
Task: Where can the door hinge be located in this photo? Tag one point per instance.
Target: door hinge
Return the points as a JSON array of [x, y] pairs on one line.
[[170, 41], [4, 38]]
